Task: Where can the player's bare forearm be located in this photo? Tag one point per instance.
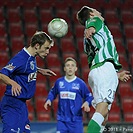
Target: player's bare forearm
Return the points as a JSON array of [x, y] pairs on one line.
[[5, 79], [89, 32], [124, 76], [85, 106], [46, 72], [16, 88]]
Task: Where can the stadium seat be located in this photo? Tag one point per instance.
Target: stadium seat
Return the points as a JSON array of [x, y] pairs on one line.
[[123, 61], [120, 48], [80, 45], [40, 62], [84, 60], [3, 44], [128, 117], [1, 15], [115, 108], [31, 28], [43, 117], [114, 117], [63, 14], [111, 17], [67, 45], [30, 15], [115, 30], [30, 105], [127, 16], [53, 60], [52, 79], [17, 44], [2, 30], [3, 58], [40, 101], [15, 29], [2, 90], [127, 105], [85, 72], [130, 45], [41, 89], [41, 78], [129, 31], [125, 90], [79, 31], [46, 16], [69, 54], [13, 15], [31, 116]]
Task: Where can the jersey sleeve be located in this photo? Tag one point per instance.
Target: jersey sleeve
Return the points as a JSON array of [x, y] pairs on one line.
[[14, 66], [95, 22], [87, 95], [53, 92]]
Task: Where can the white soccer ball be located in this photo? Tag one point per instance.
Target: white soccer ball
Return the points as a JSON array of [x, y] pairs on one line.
[[57, 27]]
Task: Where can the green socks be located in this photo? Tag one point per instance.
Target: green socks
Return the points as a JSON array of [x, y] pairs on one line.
[[93, 127]]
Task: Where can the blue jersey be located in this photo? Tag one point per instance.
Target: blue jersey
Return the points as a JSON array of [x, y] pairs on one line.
[[22, 69], [70, 98]]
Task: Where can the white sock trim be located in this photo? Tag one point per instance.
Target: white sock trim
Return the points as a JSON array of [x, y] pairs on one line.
[[98, 118]]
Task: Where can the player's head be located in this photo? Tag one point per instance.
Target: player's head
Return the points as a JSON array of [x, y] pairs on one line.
[[40, 37], [70, 66], [41, 43], [86, 13]]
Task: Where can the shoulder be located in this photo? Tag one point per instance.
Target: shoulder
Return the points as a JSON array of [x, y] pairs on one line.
[[80, 80]]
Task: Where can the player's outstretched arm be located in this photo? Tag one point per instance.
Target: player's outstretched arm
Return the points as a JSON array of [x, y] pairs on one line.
[[124, 75], [85, 106], [47, 104], [46, 72], [16, 88]]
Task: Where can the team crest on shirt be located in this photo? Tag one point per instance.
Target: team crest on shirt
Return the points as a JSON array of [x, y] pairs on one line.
[[10, 67], [61, 84], [32, 65], [75, 86]]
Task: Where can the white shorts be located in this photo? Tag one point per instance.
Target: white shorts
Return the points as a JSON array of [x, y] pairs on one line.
[[103, 81]]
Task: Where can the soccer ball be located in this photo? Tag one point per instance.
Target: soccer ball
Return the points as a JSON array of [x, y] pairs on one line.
[[57, 27]]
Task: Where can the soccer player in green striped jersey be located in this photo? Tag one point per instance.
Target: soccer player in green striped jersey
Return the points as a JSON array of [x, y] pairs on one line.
[[104, 65]]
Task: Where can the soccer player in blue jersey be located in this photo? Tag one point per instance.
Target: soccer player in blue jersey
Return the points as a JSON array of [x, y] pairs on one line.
[[71, 91], [104, 65], [20, 77]]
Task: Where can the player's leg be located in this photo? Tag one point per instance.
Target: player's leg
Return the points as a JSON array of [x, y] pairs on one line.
[[25, 119], [104, 124], [75, 126], [11, 113], [103, 81], [61, 127]]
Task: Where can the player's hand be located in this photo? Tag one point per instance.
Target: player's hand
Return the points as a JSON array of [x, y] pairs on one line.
[[124, 76], [47, 104], [16, 88], [46, 72], [88, 33], [85, 106]]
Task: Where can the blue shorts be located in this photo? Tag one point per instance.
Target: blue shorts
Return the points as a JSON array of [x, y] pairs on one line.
[[70, 127], [14, 115]]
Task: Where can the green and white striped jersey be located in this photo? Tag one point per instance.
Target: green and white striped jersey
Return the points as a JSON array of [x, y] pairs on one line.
[[101, 47]]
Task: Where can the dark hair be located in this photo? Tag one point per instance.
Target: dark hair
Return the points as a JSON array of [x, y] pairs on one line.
[[84, 14], [40, 37]]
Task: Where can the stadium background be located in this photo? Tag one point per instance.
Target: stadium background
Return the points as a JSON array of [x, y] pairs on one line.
[[20, 19]]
